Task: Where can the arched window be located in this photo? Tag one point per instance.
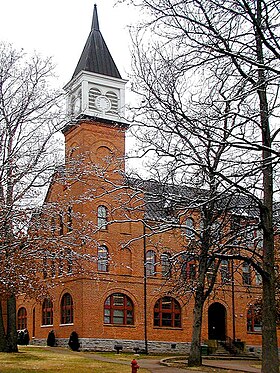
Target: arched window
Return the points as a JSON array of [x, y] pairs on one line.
[[67, 315], [165, 265], [92, 94], [189, 228], [114, 102], [22, 318], [246, 274], [188, 267], [118, 309], [47, 312], [254, 320], [102, 217], [167, 312], [150, 263], [102, 258]]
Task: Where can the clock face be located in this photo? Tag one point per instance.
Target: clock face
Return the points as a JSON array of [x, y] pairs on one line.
[[102, 103]]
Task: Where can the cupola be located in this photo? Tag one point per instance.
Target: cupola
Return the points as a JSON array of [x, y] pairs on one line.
[[96, 89]]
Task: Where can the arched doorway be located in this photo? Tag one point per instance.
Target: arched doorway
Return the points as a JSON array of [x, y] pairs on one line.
[[217, 322]]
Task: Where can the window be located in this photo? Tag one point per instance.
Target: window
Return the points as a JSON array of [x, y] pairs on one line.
[[102, 258], [102, 217], [118, 310], [92, 94], [165, 265], [114, 102], [67, 309], [150, 263], [191, 270], [189, 228], [22, 319], [246, 274], [167, 312], [211, 271], [47, 312], [254, 321], [224, 269], [216, 230], [188, 267]]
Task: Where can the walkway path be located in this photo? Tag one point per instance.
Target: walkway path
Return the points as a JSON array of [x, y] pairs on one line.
[[154, 366], [238, 365]]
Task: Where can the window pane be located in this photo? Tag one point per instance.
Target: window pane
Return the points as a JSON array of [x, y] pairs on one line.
[[189, 228], [150, 263], [166, 304], [118, 300], [102, 217], [102, 259]]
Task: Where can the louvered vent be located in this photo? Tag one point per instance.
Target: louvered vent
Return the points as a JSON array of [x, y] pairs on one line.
[[114, 102], [93, 93]]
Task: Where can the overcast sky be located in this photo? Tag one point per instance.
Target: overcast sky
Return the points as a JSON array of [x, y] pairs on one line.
[[59, 28]]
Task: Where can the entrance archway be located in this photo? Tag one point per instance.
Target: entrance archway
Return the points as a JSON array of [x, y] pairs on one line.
[[217, 322]]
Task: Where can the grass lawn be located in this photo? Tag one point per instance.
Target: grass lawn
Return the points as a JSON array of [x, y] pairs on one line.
[[36, 359]]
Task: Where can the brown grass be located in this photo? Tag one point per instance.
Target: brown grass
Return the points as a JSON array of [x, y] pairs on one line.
[[41, 360]]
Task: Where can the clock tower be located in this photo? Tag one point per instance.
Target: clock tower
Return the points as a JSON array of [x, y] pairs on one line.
[[95, 108], [96, 89]]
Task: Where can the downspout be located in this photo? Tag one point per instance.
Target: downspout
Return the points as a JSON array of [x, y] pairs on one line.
[[145, 290], [233, 301]]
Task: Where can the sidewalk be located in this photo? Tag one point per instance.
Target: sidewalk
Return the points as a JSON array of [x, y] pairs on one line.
[[237, 365], [155, 365]]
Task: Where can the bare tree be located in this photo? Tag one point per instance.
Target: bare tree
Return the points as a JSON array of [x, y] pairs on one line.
[[237, 40], [30, 118]]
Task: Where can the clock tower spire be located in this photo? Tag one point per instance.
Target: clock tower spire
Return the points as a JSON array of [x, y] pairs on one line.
[[96, 89]]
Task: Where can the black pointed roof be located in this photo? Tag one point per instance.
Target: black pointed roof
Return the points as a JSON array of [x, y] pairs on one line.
[[96, 57]]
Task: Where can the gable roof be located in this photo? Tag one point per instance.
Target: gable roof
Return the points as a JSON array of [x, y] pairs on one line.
[[96, 57]]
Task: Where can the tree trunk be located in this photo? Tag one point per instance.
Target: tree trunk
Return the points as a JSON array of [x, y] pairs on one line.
[[195, 352], [270, 361], [11, 325], [3, 340]]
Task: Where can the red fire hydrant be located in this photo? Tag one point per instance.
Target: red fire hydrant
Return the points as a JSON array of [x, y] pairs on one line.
[[134, 366]]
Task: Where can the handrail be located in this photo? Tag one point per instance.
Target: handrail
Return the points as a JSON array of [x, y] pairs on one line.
[[230, 346]]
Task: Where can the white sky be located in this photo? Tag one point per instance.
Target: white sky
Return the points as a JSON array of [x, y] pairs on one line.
[[59, 28]]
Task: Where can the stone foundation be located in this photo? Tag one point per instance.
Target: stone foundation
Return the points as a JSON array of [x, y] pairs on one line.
[[91, 344]]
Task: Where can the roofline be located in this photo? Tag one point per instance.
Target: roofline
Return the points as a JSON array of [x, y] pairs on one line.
[[76, 78], [86, 119]]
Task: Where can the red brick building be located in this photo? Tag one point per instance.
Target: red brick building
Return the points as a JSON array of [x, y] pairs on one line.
[[123, 295]]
